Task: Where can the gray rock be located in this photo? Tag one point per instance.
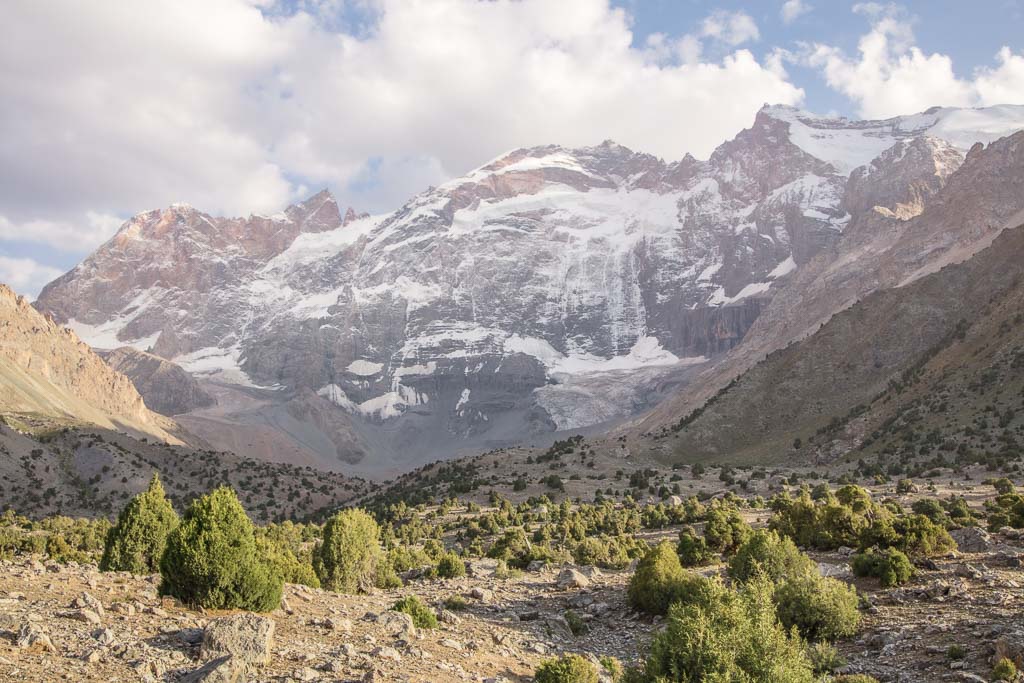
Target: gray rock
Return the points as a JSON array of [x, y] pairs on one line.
[[32, 637], [397, 624], [248, 638], [571, 578], [221, 670], [972, 539]]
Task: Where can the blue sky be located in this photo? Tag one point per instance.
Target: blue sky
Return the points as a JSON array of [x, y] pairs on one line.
[[245, 106]]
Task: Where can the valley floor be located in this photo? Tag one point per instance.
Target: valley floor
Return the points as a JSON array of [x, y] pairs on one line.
[[509, 625]]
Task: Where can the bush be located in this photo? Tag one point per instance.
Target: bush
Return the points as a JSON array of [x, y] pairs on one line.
[[824, 658], [137, 542], [1004, 670], [915, 535], [576, 623], [660, 580], [734, 636], [422, 616], [456, 603], [566, 669], [892, 567], [725, 530], [692, 549], [765, 552], [855, 678], [212, 559], [349, 558], [822, 609], [451, 566]]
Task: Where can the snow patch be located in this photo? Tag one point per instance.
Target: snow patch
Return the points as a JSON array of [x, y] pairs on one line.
[[364, 368]]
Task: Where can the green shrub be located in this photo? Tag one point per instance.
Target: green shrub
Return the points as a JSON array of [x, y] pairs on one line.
[[914, 535], [956, 652], [725, 530], [402, 558], [456, 603], [212, 559], [765, 552], [451, 566], [891, 566], [855, 678], [822, 609], [824, 658], [660, 580], [287, 565], [1004, 670], [692, 549], [349, 559], [566, 669], [137, 542], [422, 616], [576, 623], [734, 636]]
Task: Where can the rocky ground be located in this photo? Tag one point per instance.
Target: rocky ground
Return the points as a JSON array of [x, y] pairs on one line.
[[70, 622]]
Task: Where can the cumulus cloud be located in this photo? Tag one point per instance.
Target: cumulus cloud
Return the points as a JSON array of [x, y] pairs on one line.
[[83, 235], [892, 76], [25, 276], [793, 9], [240, 105], [732, 28]]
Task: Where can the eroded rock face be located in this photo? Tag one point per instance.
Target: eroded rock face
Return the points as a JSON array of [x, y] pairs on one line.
[[46, 369], [166, 388], [438, 324], [248, 639]]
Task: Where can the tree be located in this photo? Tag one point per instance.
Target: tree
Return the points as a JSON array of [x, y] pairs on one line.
[[347, 559], [137, 542], [212, 559]]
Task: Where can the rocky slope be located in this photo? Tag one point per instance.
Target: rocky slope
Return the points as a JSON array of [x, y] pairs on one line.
[[45, 369], [931, 341], [48, 468], [500, 304], [166, 388], [879, 250]]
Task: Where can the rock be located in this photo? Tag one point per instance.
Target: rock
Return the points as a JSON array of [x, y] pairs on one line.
[[125, 608], [31, 637], [336, 624], [388, 653], [285, 607], [971, 539], [248, 638], [104, 635], [221, 670], [536, 566], [558, 626], [482, 594], [86, 601], [86, 615], [571, 578], [968, 572], [449, 617], [397, 624], [451, 644], [484, 568], [156, 612], [836, 571]]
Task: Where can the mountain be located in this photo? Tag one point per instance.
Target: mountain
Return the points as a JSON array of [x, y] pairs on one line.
[[47, 371], [166, 388], [550, 289]]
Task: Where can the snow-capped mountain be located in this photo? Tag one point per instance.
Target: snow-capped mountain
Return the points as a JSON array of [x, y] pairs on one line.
[[549, 289]]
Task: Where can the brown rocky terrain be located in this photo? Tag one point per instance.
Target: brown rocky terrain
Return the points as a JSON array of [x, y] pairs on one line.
[[166, 388], [71, 622], [46, 369]]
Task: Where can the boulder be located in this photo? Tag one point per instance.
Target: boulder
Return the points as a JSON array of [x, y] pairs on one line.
[[397, 624], [571, 578], [971, 539], [247, 638], [221, 670], [31, 637]]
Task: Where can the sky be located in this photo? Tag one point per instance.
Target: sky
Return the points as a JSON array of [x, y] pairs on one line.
[[110, 108]]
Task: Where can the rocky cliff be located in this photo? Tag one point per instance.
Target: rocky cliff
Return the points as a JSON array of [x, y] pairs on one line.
[[470, 314], [166, 388], [45, 369]]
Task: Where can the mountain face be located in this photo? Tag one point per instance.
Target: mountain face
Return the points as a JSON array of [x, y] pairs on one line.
[[45, 370], [550, 289], [166, 388]]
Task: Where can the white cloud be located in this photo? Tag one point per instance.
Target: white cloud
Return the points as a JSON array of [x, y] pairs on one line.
[[732, 28], [793, 9], [892, 76], [25, 276], [235, 107], [82, 235]]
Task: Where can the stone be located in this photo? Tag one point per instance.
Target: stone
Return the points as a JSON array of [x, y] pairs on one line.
[[86, 615], [87, 601], [1011, 647], [484, 568], [971, 539], [397, 624], [388, 653], [220, 670], [571, 578], [248, 638], [449, 617], [31, 637], [481, 594]]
